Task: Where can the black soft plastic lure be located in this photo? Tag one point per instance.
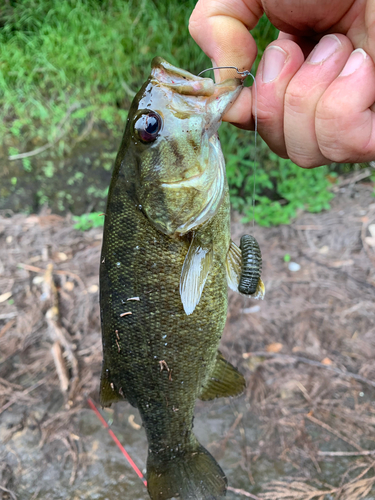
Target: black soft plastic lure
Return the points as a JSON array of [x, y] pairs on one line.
[[251, 268]]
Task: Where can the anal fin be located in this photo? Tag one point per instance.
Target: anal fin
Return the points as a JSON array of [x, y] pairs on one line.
[[224, 381], [108, 392]]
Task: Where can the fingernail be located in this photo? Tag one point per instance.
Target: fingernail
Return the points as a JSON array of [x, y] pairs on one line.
[[274, 60], [354, 62], [325, 48]]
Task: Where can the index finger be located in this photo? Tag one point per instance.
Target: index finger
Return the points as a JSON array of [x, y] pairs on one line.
[[221, 29]]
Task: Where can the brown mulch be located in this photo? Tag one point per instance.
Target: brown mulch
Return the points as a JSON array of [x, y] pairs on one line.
[[308, 349]]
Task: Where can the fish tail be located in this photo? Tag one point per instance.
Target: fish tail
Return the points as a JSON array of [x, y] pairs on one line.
[[189, 475]]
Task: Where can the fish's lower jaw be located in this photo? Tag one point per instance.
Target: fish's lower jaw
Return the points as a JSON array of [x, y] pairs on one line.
[[190, 475]]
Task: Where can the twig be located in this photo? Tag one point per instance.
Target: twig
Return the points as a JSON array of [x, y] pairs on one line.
[[17, 397], [127, 89], [9, 315], [36, 493], [7, 327], [244, 493], [61, 368], [60, 336], [301, 359], [35, 269], [346, 453], [8, 491], [366, 223], [75, 276], [363, 174], [230, 432], [338, 270], [334, 432], [307, 227], [36, 151]]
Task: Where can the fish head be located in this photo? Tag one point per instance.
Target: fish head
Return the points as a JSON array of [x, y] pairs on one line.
[[180, 175]]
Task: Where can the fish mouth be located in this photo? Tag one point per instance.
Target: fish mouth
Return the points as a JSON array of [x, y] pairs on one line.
[[185, 83]]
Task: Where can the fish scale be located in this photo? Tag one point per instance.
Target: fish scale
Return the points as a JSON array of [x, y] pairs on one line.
[[167, 241]]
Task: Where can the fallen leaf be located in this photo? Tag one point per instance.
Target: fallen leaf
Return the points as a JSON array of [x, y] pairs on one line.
[[69, 286], [342, 263], [326, 361], [133, 424], [274, 347], [370, 240], [324, 250], [62, 256], [32, 219], [5, 296], [251, 310]]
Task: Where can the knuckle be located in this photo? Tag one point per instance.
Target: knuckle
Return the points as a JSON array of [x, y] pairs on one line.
[[296, 98], [304, 160], [269, 111], [194, 24], [342, 140]]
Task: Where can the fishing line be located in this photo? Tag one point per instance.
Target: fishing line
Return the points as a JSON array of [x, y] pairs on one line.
[[244, 74], [116, 440]]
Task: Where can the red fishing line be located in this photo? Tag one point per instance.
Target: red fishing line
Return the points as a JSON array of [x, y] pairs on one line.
[[113, 436]]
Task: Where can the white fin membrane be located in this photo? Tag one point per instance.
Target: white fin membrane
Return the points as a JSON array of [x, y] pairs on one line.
[[194, 274]]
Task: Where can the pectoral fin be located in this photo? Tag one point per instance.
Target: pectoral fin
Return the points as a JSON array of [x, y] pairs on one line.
[[260, 290], [194, 274], [108, 392], [225, 380], [233, 266]]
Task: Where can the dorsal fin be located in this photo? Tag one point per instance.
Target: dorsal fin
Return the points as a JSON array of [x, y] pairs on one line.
[[225, 380]]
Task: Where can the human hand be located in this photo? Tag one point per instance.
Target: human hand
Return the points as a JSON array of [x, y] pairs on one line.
[[315, 83]]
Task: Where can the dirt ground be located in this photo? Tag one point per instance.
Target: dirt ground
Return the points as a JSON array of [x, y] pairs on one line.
[[307, 351]]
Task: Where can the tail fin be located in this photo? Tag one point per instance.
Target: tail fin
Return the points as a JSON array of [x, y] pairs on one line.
[[193, 475]]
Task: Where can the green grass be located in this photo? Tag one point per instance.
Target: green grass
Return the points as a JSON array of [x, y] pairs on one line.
[[56, 53], [85, 222], [281, 187], [67, 71]]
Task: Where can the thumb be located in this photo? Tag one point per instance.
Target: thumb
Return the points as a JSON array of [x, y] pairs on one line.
[[221, 29]]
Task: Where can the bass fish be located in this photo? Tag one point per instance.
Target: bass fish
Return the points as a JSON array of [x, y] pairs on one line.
[[167, 260]]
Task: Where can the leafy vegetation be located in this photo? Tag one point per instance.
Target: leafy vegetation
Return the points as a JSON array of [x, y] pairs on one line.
[[67, 75], [85, 222], [281, 187]]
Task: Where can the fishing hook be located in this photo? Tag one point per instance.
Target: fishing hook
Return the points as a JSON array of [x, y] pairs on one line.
[[242, 73]]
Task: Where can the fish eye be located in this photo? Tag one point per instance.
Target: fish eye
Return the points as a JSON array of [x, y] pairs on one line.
[[148, 126]]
